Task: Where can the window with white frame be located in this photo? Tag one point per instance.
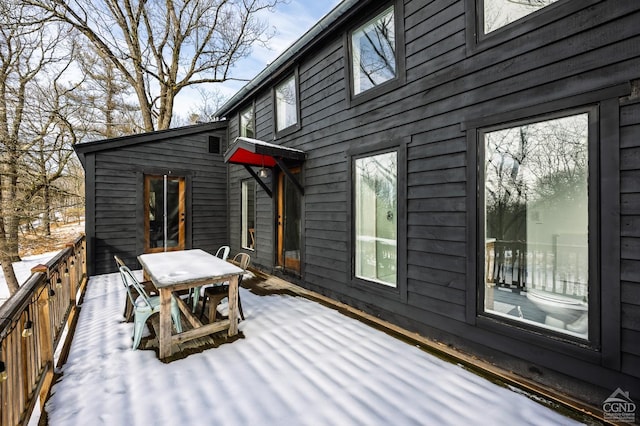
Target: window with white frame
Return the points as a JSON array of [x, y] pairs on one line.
[[498, 13], [248, 222], [373, 52], [286, 104], [376, 217], [535, 227], [247, 127]]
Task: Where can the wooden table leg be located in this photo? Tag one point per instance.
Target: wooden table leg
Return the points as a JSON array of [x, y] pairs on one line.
[[164, 339], [233, 306]]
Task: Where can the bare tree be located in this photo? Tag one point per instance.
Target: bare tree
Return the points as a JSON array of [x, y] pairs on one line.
[[534, 164], [377, 58], [103, 98], [51, 136], [28, 49], [210, 102], [161, 47]]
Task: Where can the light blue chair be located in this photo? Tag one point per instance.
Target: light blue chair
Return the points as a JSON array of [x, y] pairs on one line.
[[222, 253], [128, 305], [144, 305]]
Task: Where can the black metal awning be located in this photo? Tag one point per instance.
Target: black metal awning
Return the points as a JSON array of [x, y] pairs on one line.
[[253, 152]]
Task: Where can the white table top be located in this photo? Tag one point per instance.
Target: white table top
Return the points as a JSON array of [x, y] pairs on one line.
[[167, 269]]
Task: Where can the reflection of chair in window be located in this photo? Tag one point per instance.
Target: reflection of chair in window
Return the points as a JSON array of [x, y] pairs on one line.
[[144, 305], [217, 293], [128, 305], [252, 237]]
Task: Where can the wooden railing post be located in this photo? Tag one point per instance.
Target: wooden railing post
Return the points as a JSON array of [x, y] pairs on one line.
[[70, 274], [46, 348], [44, 330]]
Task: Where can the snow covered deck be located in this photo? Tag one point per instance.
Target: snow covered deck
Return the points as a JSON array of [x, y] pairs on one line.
[[299, 363]]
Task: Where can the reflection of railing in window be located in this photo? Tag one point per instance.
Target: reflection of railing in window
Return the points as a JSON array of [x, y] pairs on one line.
[[505, 263], [378, 258], [560, 267]]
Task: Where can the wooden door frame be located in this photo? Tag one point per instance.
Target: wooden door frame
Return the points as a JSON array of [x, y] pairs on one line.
[[181, 212], [280, 260]]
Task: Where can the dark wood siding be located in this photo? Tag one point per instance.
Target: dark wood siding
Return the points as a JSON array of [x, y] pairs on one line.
[[118, 206], [263, 254], [565, 63], [630, 235]]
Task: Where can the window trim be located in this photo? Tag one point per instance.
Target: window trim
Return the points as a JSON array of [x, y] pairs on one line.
[[297, 125], [361, 149], [389, 85], [251, 107], [477, 41], [242, 213], [604, 297]]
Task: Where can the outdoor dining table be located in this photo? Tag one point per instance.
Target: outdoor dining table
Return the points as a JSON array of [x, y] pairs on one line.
[[180, 270]]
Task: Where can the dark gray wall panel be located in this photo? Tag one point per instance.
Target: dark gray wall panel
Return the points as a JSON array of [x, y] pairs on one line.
[[118, 181]]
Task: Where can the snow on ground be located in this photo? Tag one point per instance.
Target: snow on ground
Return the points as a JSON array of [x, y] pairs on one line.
[[300, 363], [23, 271]]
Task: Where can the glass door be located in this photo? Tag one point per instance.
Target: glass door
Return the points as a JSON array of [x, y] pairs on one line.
[[289, 223], [164, 204]]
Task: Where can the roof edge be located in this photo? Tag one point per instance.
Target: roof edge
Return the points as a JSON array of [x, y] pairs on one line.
[[298, 47], [110, 143]]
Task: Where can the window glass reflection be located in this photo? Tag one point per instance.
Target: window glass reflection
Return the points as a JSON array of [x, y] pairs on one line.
[[173, 213], [536, 223], [286, 104], [248, 214], [498, 13], [246, 123], [373, 49], [376, 201]]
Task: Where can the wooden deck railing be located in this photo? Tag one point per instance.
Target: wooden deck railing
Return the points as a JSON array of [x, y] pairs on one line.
[[560, 267], [32, 323]]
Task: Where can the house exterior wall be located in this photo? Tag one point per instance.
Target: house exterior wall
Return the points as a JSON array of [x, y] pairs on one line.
[[115, 200], [582, 54], [630, 236]]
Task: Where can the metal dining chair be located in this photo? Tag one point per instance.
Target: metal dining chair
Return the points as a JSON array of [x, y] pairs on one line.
[[217, 293], [222, 253], [128, 305], [144, 305]]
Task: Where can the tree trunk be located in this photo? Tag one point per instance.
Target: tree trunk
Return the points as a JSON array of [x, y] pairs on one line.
[[166, 107], [9, 276], [12, 240], [145, 108], [46, 220], [12, 221], [5, 260]]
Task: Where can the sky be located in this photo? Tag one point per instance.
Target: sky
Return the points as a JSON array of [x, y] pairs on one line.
[[289, 22], [298, 363]]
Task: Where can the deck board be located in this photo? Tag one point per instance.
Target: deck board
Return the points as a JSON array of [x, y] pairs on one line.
[[185, 348]]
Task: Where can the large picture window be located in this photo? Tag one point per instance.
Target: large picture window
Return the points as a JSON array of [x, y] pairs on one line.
[[286, 104], [373, 52], [498, 13], [247, 127], [536, 223], [248, 214], [376, 217]]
